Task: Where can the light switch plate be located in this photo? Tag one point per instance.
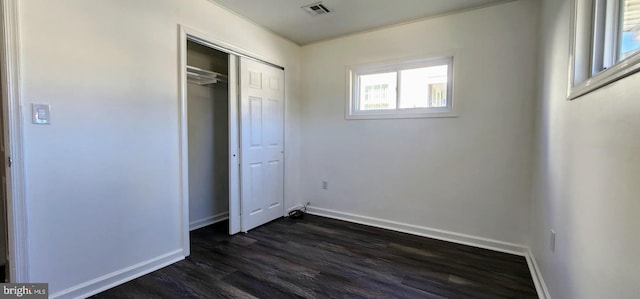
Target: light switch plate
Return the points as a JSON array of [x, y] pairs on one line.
[[41, 114]]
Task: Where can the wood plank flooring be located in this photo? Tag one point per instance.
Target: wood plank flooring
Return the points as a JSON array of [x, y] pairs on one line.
[[318, 257]]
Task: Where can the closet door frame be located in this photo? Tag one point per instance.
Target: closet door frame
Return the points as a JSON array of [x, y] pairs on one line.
[[187, 33], [13, 141]]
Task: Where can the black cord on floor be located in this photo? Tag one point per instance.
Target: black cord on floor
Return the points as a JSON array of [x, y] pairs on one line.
[[299, 213]]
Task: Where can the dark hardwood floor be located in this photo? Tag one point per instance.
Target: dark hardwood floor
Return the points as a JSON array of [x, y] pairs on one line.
[[324, 258]]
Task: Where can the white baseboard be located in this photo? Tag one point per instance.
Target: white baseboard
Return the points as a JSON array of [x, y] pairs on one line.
[[193, 225], [110, 280], [423, 231], [443, 235], [538, 280]]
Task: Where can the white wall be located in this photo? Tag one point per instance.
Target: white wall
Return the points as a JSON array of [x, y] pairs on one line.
[[103, 183], [586, 176], [467, 175]]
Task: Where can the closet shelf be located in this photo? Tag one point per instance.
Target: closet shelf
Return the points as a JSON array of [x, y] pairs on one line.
[[203, 77]]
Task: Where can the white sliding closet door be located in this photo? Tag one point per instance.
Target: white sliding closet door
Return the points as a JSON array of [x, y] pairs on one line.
[[235, 225], [261, 143]]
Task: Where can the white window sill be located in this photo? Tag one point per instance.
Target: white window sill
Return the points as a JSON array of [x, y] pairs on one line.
[[620, 70], [360, 116]]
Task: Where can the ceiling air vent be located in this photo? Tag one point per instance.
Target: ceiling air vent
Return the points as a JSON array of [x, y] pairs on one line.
[[316, 9]]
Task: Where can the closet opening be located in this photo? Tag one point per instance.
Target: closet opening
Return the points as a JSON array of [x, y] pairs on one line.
[[4, 224], [231, 136], [207, 110]]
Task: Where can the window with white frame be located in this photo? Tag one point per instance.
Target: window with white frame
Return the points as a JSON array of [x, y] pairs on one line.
[[406, 89], [606, 43]]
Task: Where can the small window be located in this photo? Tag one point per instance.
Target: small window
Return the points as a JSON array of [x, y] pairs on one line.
[[606, 43], [629, 31], [409, 89]]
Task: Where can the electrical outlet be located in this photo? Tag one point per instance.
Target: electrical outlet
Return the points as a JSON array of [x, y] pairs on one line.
[[325, 185], [552, 241]]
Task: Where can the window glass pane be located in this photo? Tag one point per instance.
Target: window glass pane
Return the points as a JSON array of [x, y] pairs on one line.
[[424, 87], [378, 91], [630, 33]]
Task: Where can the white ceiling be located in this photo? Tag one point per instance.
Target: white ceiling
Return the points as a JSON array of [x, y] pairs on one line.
[[286, 18]]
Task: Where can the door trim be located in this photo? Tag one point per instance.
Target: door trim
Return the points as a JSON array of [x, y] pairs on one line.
[[205, 39], [11, 103]]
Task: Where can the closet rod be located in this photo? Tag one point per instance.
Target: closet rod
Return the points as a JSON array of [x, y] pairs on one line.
[[204, 77], [223, 49]]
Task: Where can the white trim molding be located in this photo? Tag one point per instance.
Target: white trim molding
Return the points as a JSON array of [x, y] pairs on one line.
[[200, 223], [439, 234], [423, 231], [184, 141], [12, 115], [113, 279], [536, 275]]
